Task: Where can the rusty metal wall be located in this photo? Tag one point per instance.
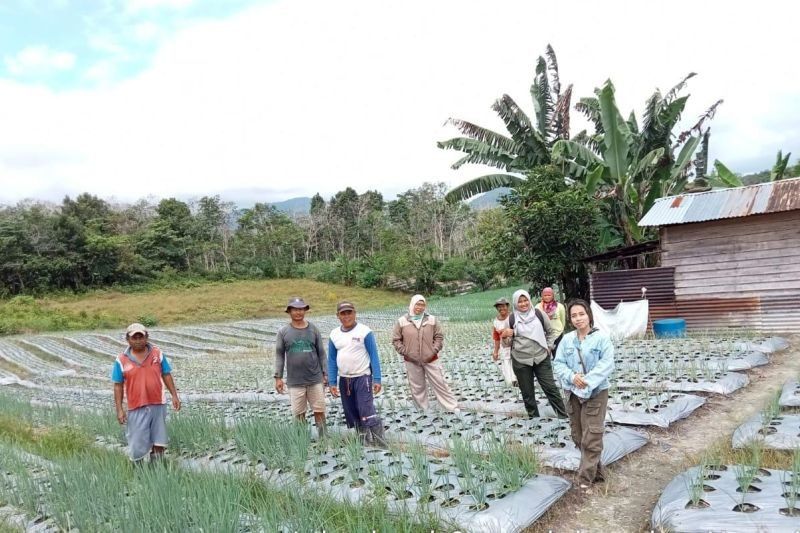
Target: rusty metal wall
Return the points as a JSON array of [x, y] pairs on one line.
[[612, 287]]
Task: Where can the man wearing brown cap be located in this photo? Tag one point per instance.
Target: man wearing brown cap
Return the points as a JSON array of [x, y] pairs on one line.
[[138, 374], [299, 348]]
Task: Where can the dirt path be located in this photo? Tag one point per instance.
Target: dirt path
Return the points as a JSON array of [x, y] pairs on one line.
[[634, 484]]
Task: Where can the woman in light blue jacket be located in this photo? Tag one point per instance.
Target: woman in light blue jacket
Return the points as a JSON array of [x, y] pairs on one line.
[[583, 364]]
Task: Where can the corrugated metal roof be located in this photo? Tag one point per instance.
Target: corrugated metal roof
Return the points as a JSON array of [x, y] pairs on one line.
[[772, 197]]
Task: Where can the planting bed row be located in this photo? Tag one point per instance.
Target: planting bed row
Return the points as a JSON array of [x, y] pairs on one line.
[[24, 359], [729, 498]]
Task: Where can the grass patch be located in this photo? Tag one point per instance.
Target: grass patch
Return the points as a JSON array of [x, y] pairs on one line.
[[217, 301], [52, 431], [23, 314], [5, 527], [49, 442], [17, 370], [721, 452], [15, 430], [64, 441], [472, 307]]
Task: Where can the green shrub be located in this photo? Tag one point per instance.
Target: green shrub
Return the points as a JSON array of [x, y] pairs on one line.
[[454, 269], [324, 271], [147, 320]]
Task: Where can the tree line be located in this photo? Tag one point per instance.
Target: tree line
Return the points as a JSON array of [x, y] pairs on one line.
[[87, 242]]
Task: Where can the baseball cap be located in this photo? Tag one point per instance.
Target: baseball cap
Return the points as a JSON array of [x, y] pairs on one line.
[[297, 303], [501, 301], [344, 306], [135, 328]]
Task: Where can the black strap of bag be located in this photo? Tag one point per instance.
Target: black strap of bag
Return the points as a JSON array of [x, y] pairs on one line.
[[580, 354], [583, 364]]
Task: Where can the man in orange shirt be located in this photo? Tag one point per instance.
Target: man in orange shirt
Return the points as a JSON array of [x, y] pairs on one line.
[[139, 374]]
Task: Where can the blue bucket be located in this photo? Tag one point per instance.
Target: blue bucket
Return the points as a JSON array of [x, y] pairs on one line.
[[669, 327]]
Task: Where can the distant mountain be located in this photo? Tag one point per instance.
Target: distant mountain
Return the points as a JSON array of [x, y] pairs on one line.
[[300, 205], [488, 200]]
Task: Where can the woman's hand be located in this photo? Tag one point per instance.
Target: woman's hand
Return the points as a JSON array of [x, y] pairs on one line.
[[579, 381], [508, 332]]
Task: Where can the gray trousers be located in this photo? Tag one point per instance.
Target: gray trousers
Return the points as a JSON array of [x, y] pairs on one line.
[[587, 421]]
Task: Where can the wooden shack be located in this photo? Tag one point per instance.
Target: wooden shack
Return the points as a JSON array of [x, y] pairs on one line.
[[729, 258]]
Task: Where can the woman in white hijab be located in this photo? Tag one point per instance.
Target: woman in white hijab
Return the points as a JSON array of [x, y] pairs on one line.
[[531, 346], [418, 337]]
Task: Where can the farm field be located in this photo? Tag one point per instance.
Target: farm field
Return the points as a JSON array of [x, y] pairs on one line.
[[674, 405]]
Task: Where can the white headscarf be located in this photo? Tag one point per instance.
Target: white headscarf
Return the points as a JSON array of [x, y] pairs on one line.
[[414, 299], [526, 324]]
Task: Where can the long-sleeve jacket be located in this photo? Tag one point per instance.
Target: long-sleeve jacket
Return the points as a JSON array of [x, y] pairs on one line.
[[421, 344], [597, 351], [353, 353]]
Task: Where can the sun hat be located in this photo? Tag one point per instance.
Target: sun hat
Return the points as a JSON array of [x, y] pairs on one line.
[[297, 303], [501, 301]]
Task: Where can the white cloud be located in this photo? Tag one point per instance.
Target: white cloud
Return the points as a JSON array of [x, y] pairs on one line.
[[146, 31], [135, 6], [39, 59], [301, 96], [102, 72]]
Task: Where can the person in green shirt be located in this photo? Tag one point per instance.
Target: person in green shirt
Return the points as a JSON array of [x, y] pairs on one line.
[[556, 312]]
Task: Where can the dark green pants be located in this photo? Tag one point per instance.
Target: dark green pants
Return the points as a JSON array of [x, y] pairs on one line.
[[544, 373]]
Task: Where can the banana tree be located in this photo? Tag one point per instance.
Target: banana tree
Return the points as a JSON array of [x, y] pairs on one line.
[[724, 177], [778, 171], [623, 166], [528, 143]]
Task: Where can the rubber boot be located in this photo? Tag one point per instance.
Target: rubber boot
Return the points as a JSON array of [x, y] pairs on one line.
[[378, 437], [363, 435], [322, 431]]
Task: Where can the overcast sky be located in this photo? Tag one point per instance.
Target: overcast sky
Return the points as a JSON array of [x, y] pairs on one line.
[[267, 100]]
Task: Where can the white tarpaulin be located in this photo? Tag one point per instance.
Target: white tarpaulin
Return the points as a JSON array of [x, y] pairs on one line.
[[628, 319]]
